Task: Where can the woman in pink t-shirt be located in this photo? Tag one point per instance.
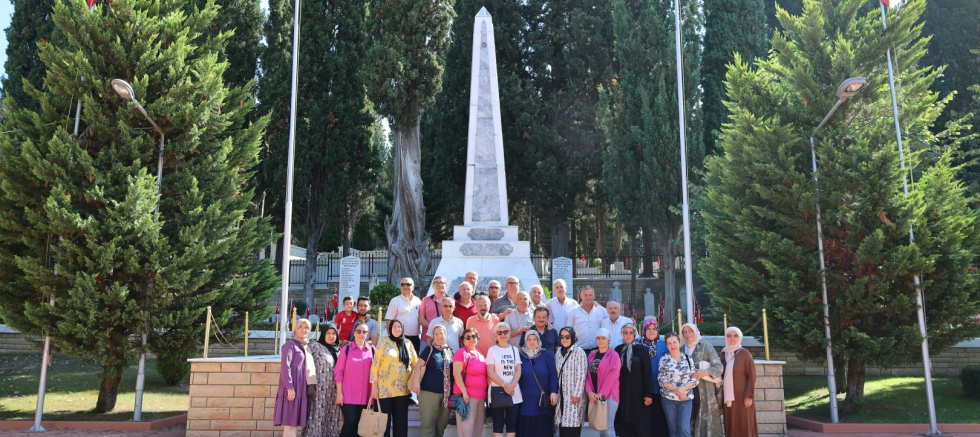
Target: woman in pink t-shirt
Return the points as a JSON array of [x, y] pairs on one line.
[[469, 361]]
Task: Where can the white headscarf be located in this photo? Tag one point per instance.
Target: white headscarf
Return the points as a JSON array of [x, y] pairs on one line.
[[729, 351], [688, 348]]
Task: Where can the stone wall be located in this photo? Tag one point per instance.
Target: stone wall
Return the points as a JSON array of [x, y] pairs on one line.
[[233, 397], [770, 410], [13, 343]]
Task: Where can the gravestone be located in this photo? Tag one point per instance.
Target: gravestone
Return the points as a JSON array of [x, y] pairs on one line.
[[561, 268], [649, 304], [616, 294], [350, 278]]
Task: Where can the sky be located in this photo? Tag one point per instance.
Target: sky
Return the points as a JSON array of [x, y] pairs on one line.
[[7, 9]]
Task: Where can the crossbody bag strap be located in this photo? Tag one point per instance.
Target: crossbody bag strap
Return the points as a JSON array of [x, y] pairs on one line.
[[536, 375]]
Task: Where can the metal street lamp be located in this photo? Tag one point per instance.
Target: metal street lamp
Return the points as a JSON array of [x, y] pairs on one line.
[[846, 90], [125, 91]]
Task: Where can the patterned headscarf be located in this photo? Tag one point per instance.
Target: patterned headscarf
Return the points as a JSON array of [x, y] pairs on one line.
[[627, 354], [527, 351], [651, 345]]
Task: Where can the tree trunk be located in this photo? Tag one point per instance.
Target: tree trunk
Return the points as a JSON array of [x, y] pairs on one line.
[[408, 244], [669, 254], [633, 279], [585, 241], [309, 273], [619, 240], [349, 220], [648, 252], [573, 240], [280, 246], [559, 236], [855, 386], [109, 389], [601, 229]]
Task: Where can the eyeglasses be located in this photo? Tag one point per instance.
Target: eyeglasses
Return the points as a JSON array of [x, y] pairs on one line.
[[470, 337], [440, 282], [407, 285], [503, 332], [512, 283], [565, 337], [494, 287], [361, 331]]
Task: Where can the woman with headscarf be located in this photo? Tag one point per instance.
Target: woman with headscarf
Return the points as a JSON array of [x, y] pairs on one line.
[[431, 382], [656, 348], [539, 386], [296, 372], [739, 387], [602, 384], [706, 417], [323, 418], [636, 387], [572, 370], [391, 370]]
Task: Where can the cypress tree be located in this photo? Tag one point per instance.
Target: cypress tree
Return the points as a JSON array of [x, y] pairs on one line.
[[30, 24], [762, 250], [730, 26], [955, 30], [404, 65], [244, 18], [641, 172], [76, 218]]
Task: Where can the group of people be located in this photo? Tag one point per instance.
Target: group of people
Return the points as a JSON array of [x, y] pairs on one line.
[[532, 365]]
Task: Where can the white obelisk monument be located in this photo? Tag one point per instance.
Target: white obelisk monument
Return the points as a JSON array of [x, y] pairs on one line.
[[485, 243]]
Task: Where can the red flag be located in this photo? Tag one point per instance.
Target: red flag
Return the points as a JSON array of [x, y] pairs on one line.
[[316, 308], [697, 312], [888, 3], [629, 305], [91, 3]]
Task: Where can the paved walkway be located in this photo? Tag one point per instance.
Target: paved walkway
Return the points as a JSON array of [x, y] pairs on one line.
[[178, 431]]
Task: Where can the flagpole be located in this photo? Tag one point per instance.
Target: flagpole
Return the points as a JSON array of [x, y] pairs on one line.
[[919, 294], [688, 265], [288, 219]]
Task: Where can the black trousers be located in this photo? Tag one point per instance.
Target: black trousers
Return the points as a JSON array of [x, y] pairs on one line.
[[352, 416], [416, 341], [627, 429], [397, 410], [570, 431]]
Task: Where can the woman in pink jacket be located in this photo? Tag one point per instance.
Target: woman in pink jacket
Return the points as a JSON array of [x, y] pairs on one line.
[[603, 379]]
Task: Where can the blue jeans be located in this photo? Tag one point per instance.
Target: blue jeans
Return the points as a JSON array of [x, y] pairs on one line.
[[678, 417]]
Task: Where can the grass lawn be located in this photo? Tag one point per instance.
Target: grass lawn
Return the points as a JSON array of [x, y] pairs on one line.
[[73, 388], [887, 400]]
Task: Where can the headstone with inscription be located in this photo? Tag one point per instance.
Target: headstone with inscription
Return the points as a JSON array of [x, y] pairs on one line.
[[485, 243], [561, 268], [350, 278]]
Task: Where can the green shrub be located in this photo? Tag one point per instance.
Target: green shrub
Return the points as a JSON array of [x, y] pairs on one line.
[[300, 309], [381, 294], [173, 366], [970, 378]]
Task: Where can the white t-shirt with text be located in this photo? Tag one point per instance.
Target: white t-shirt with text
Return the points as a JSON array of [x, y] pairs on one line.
[[505, 362]]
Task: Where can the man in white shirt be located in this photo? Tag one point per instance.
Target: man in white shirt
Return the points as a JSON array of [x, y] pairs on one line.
[[615, 323], [560, 306], [405, 308], [537, 296], [520, 319], [454, 326], [587, 319]]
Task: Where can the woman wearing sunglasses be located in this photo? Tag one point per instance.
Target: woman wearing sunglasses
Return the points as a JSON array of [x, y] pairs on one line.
[[353, 378], [572, 370], [470, 372], [504, 371]]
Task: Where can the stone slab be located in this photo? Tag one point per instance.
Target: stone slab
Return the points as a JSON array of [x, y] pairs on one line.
[[476, 233]]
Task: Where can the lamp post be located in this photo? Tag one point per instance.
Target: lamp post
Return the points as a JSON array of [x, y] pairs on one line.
[[125, 91], [846, 90], [920, 296]]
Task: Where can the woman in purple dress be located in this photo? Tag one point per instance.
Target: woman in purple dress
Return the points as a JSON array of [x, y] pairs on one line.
[[296, 371]]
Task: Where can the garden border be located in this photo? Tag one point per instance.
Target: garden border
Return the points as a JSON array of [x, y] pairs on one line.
[[166, 422]]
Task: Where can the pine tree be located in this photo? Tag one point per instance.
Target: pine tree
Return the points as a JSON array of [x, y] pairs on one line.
[[76, 218], [730, 26], [404, 66], [762, 250], [30, 25], [642, 162]]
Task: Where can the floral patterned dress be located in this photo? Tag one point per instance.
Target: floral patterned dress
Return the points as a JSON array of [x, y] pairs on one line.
[[708, 417], [323, 413], [572, 370]]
